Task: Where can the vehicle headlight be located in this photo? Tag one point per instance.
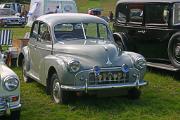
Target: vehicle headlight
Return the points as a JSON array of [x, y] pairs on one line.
[[140, 63], [11, 83], [74, 66]]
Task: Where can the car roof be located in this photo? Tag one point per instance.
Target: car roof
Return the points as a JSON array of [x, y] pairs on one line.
[[58, 18], [147, 1]]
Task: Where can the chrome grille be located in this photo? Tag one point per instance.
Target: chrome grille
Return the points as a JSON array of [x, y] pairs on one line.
[[108, 77]]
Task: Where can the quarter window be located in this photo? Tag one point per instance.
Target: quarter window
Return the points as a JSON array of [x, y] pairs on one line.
[[34, 31], [121, 12]]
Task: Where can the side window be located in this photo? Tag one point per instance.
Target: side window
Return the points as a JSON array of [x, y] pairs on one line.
[[136, 12], [34, 32], [103, 31], [157, 13], [121, 12], [44, 32]]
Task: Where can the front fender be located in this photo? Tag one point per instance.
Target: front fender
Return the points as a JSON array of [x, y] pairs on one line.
[[49, 62]]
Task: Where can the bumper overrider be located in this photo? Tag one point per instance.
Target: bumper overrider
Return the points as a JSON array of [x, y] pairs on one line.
[[123, 83], [8, 104]]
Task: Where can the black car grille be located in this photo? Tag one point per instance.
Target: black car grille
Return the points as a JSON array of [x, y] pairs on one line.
[[110, 77]]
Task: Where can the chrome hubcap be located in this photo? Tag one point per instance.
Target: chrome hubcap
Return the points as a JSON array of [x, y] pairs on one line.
[[56, 91], [177, 51]]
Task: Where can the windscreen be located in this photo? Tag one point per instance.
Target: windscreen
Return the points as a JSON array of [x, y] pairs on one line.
[[81, 31]]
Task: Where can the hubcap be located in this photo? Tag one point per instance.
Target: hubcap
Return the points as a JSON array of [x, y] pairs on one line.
[[177, 51], [56, 91]]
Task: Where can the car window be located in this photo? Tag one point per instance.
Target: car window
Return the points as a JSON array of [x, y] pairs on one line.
[[44, 32], [81, 31], [157, 13], [34, 32], [121, 12], [7, 12], [68, 31], [176, 14], [136, 12]]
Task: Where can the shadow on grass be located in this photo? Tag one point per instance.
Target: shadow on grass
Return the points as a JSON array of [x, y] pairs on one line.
[[175, 75]]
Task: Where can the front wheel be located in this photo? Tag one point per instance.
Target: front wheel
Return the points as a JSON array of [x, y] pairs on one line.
[[57, 94], [174, 50], [15, 115]]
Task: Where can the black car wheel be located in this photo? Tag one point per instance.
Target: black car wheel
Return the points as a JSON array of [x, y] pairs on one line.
[[134, 93], [174, 50], [24, 70], [57, 94], [15, 115]]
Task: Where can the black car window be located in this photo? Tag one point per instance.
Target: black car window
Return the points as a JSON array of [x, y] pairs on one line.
[[176, 14], [121, 12], [136, 12], [157, 13]]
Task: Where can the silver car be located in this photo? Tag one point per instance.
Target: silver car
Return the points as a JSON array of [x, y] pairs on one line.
[[76, 53], [9, 92]]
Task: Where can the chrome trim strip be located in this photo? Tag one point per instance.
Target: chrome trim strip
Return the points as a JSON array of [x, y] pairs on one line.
[[12, 107], [101, 87]]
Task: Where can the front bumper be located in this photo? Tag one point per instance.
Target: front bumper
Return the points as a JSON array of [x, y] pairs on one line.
[[6, 106], [86, 88]]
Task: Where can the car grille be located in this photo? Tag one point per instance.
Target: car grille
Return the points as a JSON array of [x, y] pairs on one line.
[[2, 102], [110, 77]]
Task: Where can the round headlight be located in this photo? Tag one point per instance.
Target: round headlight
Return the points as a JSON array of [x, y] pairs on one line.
[[140, 63], [74, 66], [11, 83]]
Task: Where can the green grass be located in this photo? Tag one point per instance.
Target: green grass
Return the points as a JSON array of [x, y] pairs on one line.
[[160, 100]]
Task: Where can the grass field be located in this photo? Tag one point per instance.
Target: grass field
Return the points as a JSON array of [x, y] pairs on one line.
[[160, 100]]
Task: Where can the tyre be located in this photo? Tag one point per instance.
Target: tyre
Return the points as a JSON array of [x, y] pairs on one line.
[[58, 95], [24, 70], [134, 93], [120, 45], [174, 50], [15, 115]]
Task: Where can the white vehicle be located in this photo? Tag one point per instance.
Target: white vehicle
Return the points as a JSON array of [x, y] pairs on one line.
[[15, 6], [42, 7]]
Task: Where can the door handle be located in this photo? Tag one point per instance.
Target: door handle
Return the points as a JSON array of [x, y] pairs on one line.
[[141, 31]]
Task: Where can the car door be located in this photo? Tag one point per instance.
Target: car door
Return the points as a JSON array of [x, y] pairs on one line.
[[44, 48], [135, 26], [157, 32], [32, 45]]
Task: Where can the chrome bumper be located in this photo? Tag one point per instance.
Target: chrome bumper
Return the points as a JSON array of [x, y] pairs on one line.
[[87, 88], [6, 108]]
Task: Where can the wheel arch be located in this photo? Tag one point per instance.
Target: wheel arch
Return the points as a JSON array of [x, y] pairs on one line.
[[121, 37]]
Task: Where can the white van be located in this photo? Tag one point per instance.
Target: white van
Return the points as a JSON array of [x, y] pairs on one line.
[[41, 7]]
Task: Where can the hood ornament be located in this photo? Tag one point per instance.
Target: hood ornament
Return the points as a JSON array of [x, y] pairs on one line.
[[108, 62]]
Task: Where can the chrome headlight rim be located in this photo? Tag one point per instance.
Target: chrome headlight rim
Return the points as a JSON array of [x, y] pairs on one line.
[[140, 63], [74, 66], [10, 81]]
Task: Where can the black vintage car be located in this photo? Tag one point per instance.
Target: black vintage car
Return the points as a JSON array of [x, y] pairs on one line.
[[151, 28]]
